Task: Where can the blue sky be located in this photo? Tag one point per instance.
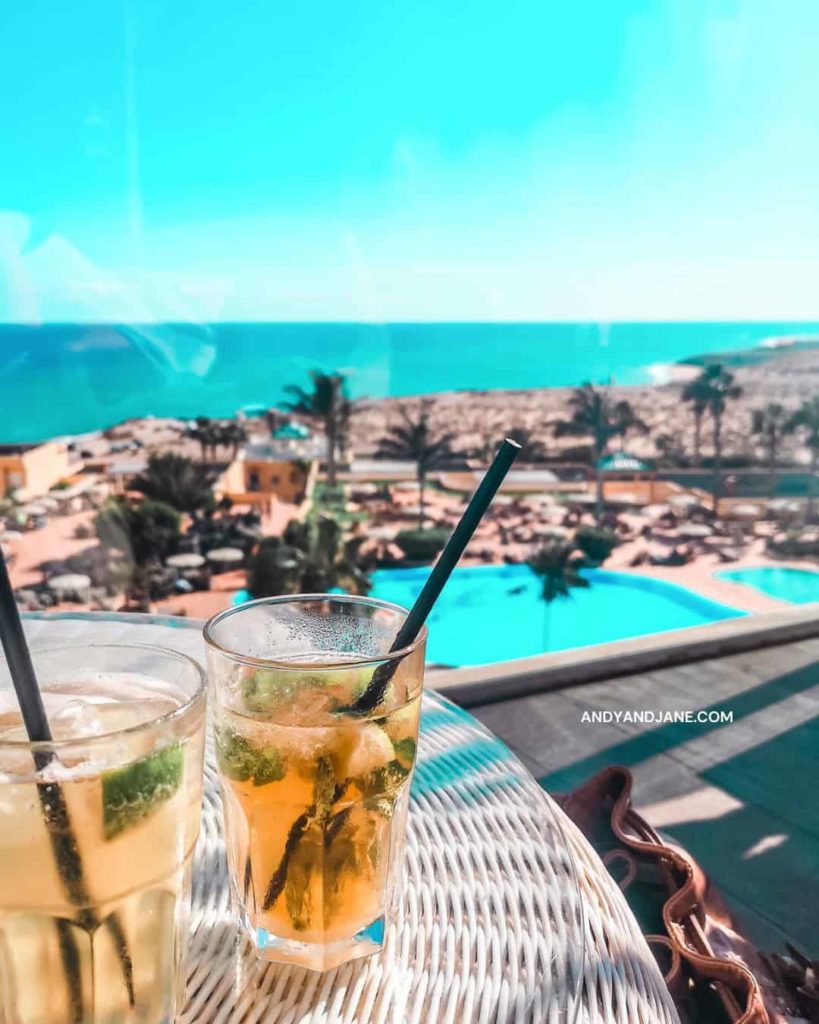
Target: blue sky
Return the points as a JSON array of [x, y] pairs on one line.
[[436, 160]]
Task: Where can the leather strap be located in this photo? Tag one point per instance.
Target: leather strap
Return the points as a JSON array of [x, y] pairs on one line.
[[698, 944]]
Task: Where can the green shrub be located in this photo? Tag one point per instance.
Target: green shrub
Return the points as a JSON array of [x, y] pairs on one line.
[[595, 543], [421, 545]]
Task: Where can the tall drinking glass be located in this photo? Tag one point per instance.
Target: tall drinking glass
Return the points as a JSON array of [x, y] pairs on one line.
[[315, 789], [97, 830]]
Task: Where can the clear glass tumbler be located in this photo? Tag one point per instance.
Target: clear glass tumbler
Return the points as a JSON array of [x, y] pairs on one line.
[[97, 830], [316, 728]]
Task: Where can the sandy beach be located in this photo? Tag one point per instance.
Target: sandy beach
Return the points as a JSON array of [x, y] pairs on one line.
[[478, 418]]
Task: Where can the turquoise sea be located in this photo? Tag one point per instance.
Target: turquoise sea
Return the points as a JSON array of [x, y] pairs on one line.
[[57, 379]]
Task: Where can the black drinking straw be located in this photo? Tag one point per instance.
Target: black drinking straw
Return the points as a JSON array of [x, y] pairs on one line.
[[52, 801], [450, 556], [21, 669], [374, 694]]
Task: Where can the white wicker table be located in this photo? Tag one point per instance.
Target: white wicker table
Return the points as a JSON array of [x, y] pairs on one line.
[[507, 915]]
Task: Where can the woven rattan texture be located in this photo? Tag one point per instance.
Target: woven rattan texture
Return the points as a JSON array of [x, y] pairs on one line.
[[507, 914]]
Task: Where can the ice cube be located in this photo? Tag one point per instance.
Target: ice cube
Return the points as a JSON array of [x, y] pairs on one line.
[[14, 762], [116, 715], [77, 719], [366, 749]]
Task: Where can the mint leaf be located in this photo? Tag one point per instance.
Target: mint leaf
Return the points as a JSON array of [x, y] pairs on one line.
[[130, 794], [405, 751], [381, 805], [267, 688], [382, 782], [325, 791], [308, 856], [305, 860], [243, 762]]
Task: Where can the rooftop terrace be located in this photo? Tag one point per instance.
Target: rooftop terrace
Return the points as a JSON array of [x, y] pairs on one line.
[[741, 797]]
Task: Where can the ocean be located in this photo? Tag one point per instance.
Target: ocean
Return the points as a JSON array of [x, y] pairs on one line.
[[58, 379]]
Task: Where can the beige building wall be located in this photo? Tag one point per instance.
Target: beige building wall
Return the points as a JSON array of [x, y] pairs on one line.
[[255, 481], [287, 480], [34, 472]]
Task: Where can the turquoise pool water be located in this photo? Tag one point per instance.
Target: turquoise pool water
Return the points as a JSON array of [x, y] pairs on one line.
[[493, 613], [799, 586]]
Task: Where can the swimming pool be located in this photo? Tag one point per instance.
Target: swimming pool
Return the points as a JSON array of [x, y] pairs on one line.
[[798, 586], [492, 613]]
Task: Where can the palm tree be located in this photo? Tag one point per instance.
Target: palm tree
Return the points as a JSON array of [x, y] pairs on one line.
[[668, 449], [719, 387], [558, 565], [176, 481], [232, 435], [770, 422], [328, 404], [145, 532], [310, 557], [415, 440], [206, 432], [805, 421], [596, 414], [697, 393]]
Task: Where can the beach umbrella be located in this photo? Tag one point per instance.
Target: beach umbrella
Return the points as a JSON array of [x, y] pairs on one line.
[[185, 561], [695, 530], [226, 555], [381, 533], [549, 530], [746, 512], [69, 583]]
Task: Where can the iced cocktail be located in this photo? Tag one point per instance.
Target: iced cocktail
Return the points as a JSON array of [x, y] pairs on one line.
[[97, 830], [316, 729]]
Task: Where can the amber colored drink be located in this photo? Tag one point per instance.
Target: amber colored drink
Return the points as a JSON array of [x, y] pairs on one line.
[[96, 838], [315, 800]]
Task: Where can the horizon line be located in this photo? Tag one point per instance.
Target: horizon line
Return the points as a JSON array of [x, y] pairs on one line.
[[364, 322]]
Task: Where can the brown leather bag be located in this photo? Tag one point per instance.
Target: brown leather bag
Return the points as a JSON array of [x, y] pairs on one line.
[[713, 973]]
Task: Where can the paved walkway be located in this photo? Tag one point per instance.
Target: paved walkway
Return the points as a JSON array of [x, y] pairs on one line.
[[55, 542], [742, 797]]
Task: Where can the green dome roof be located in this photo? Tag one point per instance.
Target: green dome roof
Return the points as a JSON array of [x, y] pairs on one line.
[[622, 462], [292, 432]]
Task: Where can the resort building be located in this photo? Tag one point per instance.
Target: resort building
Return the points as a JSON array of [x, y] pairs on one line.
[[30, 470], [282, 467]]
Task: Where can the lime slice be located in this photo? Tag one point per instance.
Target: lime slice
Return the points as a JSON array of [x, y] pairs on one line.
[[130, 794]]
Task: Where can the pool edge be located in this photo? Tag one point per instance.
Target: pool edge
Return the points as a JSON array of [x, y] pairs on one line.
[[522, 677]]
